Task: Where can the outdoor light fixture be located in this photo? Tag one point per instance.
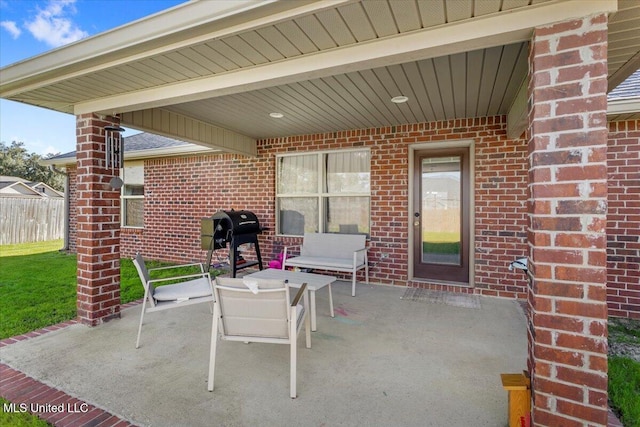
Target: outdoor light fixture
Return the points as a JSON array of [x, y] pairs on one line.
[[276, 115], [400, 99], [114, 153]]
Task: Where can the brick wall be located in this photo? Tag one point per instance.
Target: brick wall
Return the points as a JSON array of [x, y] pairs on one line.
[[500, 200], [97, 231], [567, 229], [181, 191], [623, 220]]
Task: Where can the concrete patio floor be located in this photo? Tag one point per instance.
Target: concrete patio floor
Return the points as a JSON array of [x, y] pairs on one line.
[[382, 361]]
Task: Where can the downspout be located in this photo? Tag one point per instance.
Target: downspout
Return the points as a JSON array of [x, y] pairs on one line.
[[67, 205]]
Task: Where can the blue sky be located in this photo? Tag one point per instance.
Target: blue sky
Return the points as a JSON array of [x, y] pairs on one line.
[[31, 27]]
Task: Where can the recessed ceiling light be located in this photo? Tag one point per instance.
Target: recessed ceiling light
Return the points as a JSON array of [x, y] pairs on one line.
[[276, 115], [399, 99]]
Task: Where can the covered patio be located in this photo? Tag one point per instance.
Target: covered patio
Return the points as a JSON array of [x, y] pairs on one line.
[[518, 87], [383, 360]]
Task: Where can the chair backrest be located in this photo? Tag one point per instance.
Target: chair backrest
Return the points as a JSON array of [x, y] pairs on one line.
[[333, 245], [244, 313], [138, 261]]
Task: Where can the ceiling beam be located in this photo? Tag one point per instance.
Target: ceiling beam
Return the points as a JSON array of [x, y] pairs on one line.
[[178, 126], [517, 117], [478, 33], [631, 66]]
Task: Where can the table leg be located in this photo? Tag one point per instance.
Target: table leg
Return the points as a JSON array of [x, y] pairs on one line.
[[313, 310], [311, 306], [330, 301]]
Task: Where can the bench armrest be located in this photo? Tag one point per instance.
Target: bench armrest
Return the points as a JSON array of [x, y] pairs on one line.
[[285, 250], [355, 255]]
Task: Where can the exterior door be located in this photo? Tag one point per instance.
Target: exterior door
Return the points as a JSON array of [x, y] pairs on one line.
[[441, 215]]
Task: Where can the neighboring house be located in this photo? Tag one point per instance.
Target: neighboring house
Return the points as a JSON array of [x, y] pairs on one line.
[[137, 149], [340, 115], [45, 190], [29, 211], [16, 187]]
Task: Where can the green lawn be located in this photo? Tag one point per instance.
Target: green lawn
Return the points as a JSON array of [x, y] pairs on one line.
[[440, 242], [624, 372], [19, 418], [624, 389], [38, 286], [36, 289]]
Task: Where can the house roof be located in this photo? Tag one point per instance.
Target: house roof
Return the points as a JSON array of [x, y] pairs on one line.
[[624, 100], [630, 88], [45, 190], [17, 188], [212, 72], [140, 146]]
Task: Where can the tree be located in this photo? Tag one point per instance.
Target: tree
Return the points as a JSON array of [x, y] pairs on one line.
[[16, 161]]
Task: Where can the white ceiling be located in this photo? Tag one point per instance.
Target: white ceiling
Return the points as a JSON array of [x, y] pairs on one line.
[[447, 81], [471, 84]]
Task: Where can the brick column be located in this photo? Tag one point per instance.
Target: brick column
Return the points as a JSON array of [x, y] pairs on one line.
[[567, 220], [98, 225]]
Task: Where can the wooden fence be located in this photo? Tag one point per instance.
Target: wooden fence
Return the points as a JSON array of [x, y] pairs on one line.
[[25, 220]]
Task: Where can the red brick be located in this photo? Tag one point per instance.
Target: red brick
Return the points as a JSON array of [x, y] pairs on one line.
[[559, 323], [544, 418], [597, 310], [590, 379], [554, 355], [566, 391], [578, 274], [597, 416], [581, 342]]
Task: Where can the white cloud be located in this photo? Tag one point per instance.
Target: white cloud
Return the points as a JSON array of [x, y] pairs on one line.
[[53, 25], [11, 28]]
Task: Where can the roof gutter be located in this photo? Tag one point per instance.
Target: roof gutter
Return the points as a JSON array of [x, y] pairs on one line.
[[623, 106], [141, 154]]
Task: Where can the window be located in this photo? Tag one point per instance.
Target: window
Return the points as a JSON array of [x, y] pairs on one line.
[[326, 192], [133, 196]]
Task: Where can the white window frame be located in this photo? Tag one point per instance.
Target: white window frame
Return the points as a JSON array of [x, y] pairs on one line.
[[132, 174], [320, 193]]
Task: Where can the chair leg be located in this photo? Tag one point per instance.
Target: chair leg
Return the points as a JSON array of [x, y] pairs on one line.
[[214, 343], [293, 333], [307, 330], [366, 267], [144, 307]]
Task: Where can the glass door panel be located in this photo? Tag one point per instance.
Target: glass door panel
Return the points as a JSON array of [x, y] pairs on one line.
[[441, 210]]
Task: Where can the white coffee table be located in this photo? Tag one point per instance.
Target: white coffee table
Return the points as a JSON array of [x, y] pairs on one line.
[[295, 280]]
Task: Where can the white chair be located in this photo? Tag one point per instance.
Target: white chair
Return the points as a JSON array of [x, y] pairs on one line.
[[260, 311], [190, 289]]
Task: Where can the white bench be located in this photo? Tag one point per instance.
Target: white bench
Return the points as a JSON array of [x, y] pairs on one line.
[[334, 252]]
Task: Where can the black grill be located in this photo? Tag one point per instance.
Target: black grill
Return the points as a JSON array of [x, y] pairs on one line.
[[233, 228], [236, 222]]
